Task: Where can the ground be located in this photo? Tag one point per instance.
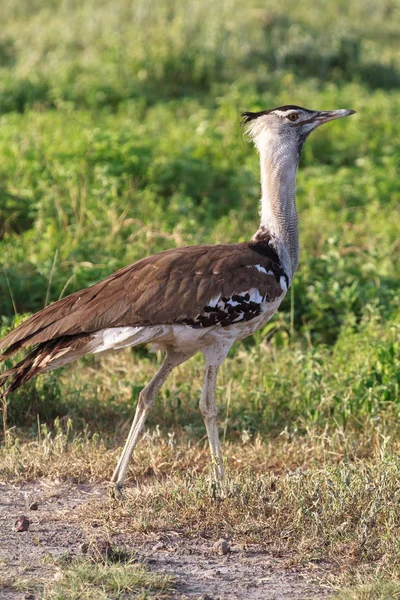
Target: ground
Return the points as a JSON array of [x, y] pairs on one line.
[[302, 517], [199, 570]]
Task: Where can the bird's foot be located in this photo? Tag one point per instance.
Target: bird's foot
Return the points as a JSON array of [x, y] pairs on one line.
[[116, 491], [218, 489]]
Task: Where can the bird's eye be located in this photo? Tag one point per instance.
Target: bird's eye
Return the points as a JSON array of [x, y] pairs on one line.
[[293, 117]]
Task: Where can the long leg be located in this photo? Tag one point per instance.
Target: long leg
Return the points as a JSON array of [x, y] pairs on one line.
[[145, 403], [214, 356]]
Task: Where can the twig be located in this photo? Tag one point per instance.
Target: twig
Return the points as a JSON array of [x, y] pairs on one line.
[[10, 291], [50, 278]]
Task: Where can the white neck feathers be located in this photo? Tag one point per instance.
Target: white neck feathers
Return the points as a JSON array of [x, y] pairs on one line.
[[279, 159]]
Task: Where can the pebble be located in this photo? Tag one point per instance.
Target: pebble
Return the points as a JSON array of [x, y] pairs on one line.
[[22, 524], [221, 547]]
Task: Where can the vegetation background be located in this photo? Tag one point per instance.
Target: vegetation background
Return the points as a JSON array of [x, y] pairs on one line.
[[120, 136]]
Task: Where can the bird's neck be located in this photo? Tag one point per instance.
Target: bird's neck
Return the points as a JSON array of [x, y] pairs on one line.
[[279, 220]]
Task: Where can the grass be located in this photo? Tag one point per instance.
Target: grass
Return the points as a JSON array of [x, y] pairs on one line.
[[91, 459], [119, 136], [376, 591], [289, 385], [321, 499], [303, 516], [88, 581], [83, 578]]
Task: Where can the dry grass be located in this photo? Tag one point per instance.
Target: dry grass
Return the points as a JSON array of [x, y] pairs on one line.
[[306, 499], [348, 515], [62, 454]]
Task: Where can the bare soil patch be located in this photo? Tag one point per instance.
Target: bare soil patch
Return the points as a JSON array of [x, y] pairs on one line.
[[200, 570]]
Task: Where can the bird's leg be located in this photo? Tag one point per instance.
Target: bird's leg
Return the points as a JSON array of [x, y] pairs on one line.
[[209, 411], [145, 403], [208, 408]]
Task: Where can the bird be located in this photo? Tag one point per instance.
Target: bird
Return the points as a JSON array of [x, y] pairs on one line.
[[184, 300]]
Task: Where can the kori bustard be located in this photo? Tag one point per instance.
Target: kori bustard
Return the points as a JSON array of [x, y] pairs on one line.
[[185, 300]]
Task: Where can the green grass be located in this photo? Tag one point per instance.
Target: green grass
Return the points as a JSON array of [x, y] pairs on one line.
[[88, 581], [82, 578], [120, 136], [381, 590]]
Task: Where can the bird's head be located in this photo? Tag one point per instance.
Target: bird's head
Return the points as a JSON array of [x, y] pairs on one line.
[[287, 123]]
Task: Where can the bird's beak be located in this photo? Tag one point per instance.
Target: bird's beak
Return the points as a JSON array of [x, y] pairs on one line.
[[329, 115]]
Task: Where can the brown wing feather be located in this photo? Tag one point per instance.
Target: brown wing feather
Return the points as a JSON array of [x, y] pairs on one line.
[[170, 287], [42, 358]]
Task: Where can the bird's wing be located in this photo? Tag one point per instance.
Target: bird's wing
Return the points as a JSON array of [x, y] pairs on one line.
[[198, 286]]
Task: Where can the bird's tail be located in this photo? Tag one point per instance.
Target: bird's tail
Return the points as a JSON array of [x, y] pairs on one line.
[[51, 354], [45, 357]]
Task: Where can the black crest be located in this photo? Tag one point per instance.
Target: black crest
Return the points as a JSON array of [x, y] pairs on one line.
[[251, 116]]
